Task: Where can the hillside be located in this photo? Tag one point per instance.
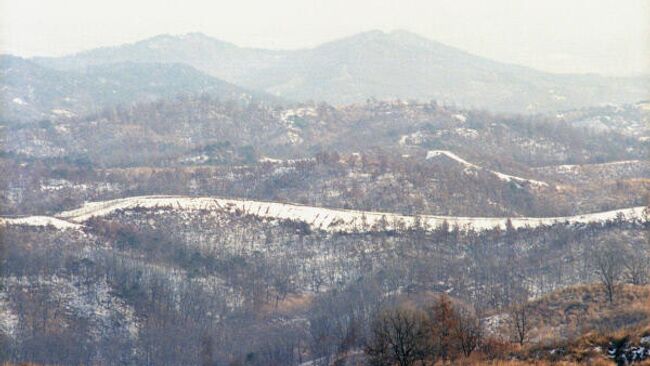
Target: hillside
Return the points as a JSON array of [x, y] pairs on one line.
[[146, 274], [389, 157], [365, 198], [34, 92], [579, 325], [373, 64]]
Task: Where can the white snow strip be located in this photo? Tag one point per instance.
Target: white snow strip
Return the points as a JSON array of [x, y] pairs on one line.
[[63, 112], [38, 221], [460, 117], [335, 220], [19, 101], [504, 177], [435, 153]]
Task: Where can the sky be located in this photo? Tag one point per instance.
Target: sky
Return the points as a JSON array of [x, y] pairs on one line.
[[610, 37]]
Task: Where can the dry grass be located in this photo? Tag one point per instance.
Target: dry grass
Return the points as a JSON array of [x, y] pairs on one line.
[[529, 363], [291, 304], [575, 325], [572, 312]]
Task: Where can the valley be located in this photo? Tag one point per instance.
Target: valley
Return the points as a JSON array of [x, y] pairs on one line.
[[181, 200]]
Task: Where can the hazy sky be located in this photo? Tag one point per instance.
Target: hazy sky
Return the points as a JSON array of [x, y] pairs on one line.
[[604, 36]]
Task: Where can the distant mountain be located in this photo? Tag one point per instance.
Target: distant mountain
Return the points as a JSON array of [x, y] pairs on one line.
[[375, 64], [31, 91]]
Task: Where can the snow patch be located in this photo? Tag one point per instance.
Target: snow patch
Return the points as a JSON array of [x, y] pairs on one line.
[[63, 113], [38, 221], [460, 117], [504, 177], [288, 116], [415, 138], [19, 101], [8, 320], [294, 138], [468, 133]]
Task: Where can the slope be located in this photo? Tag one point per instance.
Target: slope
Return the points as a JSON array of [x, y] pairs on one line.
[[31, 91]]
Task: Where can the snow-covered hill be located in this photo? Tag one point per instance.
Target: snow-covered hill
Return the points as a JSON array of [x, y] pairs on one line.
[[333, 219]]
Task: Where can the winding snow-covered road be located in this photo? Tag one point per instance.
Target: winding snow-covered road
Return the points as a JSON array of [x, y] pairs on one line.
[[328, 219], [333, 219]]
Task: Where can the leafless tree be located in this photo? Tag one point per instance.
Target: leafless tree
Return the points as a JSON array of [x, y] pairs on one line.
[[607, 262], [468, 330], [399, 336], [519, 322]]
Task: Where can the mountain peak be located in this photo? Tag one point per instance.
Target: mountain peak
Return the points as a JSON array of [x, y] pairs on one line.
[[163, 40], [405, 34], [378, 33], [398, 37]]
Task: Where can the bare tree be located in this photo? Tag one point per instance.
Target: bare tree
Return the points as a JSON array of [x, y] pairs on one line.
[[519, 322], [399, 336], [607, 262], [455, 329], [468, 331], [444, 322], [637, 263]]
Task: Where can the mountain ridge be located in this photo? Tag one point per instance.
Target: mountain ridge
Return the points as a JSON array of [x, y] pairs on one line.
[[374, 64], [32, 91], [317, 218]]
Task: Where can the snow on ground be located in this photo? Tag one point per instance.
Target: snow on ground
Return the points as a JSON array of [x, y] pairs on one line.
[[63, 113], [460, 117], [8, 320], [294, 138], [287, 114], [95, 303], [468, 133], [435, 153], [509, 178], [334, 220], [18, 101], [494, 323], [571, 167], [504, 177], [266, 159], [316, 362], [415, 138], [39, 221]]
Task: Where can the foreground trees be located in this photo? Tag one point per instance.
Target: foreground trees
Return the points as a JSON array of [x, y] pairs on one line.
[[200, 290], [406, 336], [400, 336]]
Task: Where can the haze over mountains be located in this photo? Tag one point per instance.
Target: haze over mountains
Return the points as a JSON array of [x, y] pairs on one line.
[[373, 64], [185, 201], [31, 91]]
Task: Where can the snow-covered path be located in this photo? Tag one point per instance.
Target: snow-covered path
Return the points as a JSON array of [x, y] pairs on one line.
[[504, 177], [43, 221], [333, 219]]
